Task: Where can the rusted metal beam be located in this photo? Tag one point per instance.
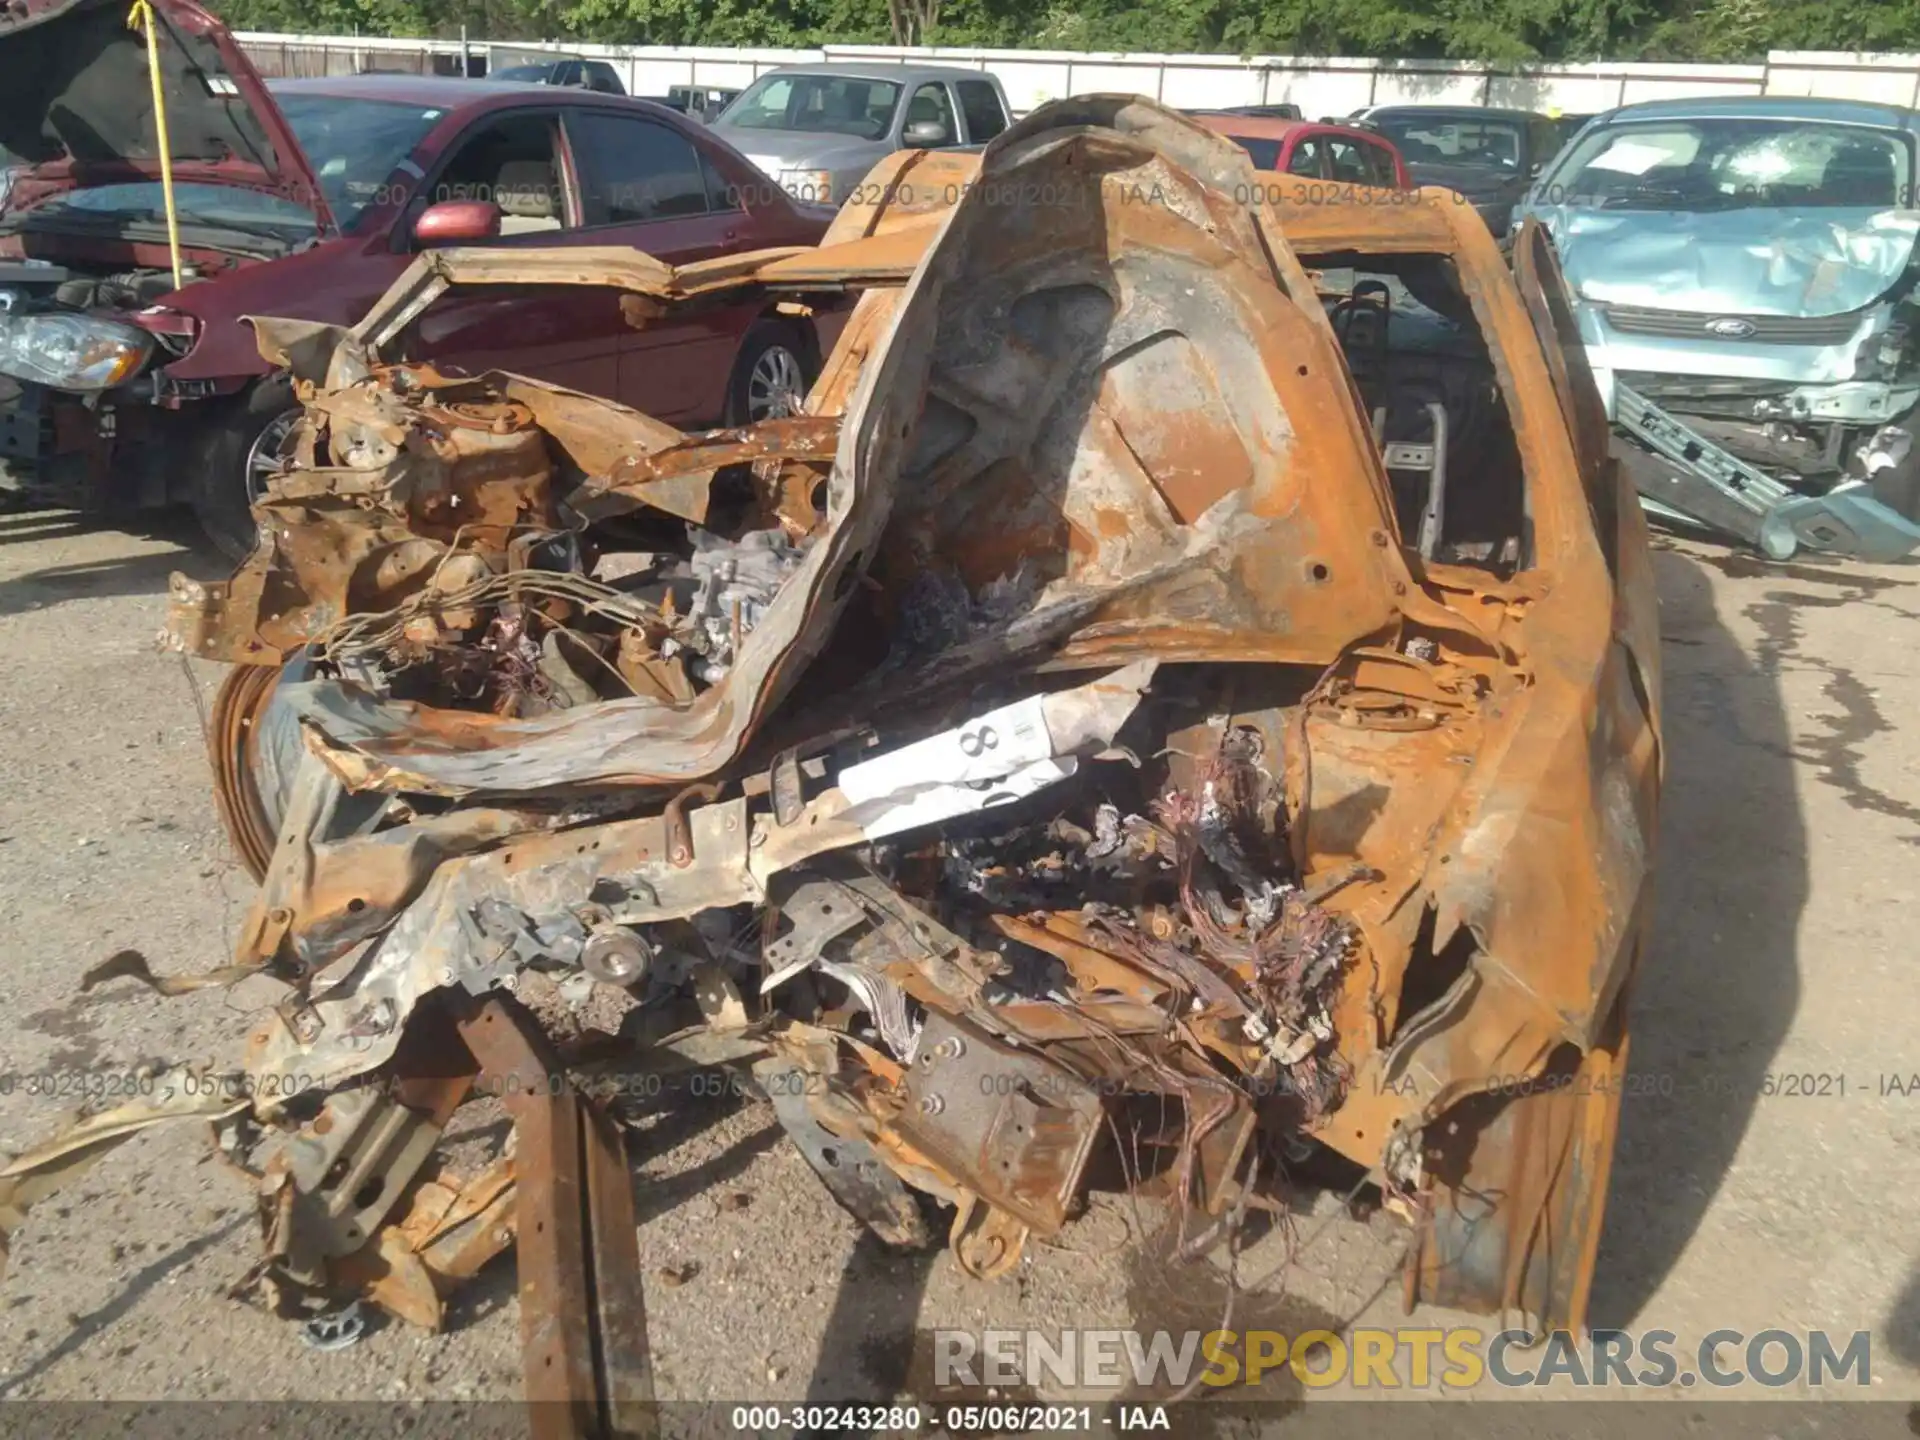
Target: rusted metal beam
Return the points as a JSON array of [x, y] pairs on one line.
[[582, 1311], [623, 1363]]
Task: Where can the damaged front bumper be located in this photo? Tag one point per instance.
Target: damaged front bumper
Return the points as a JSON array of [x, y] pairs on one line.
[[1779, 445], [1045, 735], [1694, 481]]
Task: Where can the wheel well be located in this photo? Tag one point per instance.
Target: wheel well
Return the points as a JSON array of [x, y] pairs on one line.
[[803, 330]]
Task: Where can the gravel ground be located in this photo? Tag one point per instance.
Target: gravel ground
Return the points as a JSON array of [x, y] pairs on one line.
[[1786, 885]]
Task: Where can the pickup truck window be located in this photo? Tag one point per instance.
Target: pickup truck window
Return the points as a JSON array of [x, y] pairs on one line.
[[1361, 162], [826, 104], [930, 106], [1265, 154], [602, 77], [1482, 145], [1380, 167], [980, 103], [1543, 140]]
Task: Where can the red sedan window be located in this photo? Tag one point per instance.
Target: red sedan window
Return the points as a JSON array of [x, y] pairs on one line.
[[1349, 164], [633, 170], [514, 162], [1306, 159], [1265, 154], [1380, 165]]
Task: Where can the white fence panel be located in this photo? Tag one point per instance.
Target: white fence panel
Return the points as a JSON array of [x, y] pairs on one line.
[[1197, 82], [1031, 83], [1408, 83], [1887, 79], [1095, 77], [1335, 87]]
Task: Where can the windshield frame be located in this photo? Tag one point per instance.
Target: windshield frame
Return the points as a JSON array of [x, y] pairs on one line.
[[1557, 189], [733, 115]]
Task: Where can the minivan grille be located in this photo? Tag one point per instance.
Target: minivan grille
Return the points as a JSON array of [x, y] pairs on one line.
[[1763, 329]]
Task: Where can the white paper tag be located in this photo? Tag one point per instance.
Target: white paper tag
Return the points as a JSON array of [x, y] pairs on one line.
[[930, 804], [995, 744]]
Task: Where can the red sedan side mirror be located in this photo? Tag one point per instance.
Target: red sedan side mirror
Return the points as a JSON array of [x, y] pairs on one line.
[[452, 222]]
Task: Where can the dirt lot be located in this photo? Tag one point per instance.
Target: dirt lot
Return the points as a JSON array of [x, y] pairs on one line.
[[1783, 963]]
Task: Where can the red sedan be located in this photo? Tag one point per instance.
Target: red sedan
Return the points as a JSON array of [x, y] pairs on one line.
[[307, 199], [1313, 150]]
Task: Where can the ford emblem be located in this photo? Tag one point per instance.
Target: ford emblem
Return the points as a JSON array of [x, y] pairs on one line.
[[1730, 327]]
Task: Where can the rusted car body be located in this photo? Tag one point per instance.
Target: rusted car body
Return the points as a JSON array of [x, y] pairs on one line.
[[1087, 710]]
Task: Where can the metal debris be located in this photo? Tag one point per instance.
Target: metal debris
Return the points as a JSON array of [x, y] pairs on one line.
[[336, 1329]]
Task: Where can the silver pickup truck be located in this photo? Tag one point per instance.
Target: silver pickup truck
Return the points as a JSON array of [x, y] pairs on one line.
[[818, 129]]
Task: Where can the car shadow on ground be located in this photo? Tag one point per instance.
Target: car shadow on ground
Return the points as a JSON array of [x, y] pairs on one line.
[[1902, 1324], [1720, 982], [109, 569], [868, 1345]]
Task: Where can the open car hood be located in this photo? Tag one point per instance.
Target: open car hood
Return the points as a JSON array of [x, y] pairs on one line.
[[78, 112]]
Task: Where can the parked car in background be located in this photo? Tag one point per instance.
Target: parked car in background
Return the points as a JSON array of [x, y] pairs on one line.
[[1566, 126], [818, 129], [595, 75], [132, 392], [1263, 112], [1488, 156], [1310, 149], [702, 102], [1745, 285]]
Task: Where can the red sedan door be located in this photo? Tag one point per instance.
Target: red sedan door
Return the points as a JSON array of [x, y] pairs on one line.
[[644, 183]]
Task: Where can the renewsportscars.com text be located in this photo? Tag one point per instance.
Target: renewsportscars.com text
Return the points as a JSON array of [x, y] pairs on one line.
[[1411, 1357]]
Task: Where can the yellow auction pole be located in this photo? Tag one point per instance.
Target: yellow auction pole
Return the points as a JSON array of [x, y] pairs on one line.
[[142, 17]]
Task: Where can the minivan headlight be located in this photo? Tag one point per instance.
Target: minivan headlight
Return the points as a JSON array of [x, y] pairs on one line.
[[71, 352]]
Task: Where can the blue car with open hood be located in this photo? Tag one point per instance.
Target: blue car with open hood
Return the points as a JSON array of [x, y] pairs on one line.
[[1745, 292]]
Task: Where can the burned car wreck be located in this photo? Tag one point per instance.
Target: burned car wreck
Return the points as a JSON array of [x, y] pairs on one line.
[[1069, 710]]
